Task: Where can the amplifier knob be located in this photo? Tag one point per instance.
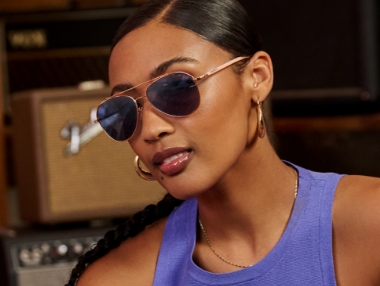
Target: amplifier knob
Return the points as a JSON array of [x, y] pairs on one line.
[[89, 244], [45, 247], [77, 248], [31, 257], [62, 249], [36, 256], [24, 256]]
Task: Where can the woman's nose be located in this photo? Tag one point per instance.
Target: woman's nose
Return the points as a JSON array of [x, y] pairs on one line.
[[154, 124]]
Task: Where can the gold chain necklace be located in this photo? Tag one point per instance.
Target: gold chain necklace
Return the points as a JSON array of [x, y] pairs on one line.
[[221, 257]]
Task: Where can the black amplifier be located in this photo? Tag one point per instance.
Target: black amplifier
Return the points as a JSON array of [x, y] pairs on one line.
[[43, 257], [56, 49]]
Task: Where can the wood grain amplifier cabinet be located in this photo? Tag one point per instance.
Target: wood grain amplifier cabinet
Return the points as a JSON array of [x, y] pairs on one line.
[[97, 182]]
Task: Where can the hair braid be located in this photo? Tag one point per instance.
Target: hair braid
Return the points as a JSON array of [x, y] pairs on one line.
[[113, 238]]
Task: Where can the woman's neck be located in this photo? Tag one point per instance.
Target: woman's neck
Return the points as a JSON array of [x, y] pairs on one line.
[[252, 203]]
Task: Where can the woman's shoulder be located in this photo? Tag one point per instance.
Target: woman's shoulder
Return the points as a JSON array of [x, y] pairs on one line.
[[356, 230], [134, 261], [357, 198]]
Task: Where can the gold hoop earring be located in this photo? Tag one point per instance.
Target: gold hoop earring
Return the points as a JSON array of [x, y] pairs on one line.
[[142, 173], [260, 120]]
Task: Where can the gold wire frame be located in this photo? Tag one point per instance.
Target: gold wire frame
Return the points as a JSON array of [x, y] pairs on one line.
[[151, 81]]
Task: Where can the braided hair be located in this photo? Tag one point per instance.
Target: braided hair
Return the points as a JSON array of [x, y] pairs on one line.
[[222, 22], [131, 228]]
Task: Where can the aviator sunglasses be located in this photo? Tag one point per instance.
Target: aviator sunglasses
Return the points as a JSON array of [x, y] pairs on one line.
[[174, 94]]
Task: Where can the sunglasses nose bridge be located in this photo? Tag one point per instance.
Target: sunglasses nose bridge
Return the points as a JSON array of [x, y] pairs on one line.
[[152, 123]]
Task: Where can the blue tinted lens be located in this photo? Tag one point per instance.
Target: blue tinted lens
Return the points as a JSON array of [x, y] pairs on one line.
[[118, 117], [175, 94]]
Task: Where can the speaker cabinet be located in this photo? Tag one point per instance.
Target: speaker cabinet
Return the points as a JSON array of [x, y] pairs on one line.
[[97, 182], [325, 54], [56, 48]]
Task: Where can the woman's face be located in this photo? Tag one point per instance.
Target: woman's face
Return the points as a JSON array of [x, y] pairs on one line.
[[191, 154]]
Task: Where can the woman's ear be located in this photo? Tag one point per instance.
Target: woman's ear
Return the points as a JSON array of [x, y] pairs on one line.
[[260, 75]]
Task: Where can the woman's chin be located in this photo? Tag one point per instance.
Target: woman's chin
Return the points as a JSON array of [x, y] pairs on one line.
[[183, 191]]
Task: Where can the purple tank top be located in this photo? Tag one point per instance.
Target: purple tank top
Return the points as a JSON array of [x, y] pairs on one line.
[[302, 256]]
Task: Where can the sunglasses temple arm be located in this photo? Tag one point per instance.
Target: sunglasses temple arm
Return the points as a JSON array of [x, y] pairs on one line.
[[219, 68]]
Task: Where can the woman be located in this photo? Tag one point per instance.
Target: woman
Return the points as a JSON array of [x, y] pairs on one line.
[[189, 78]]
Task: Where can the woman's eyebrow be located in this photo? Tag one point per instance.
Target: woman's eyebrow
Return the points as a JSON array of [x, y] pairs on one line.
[[120, 88], [161, 69]]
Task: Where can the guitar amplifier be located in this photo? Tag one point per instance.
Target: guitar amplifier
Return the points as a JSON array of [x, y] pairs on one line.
[[43, 257], [56, 48], [66, 168]]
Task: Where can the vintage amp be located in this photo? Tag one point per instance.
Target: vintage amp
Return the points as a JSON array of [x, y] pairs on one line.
[[43, 257], [56, 48], [66, 167]]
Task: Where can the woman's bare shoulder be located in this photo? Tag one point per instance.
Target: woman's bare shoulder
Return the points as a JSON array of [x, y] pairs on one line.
[[357, 198], [132, 263], [356, 230]]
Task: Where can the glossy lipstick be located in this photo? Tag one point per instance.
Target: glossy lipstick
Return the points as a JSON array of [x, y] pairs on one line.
[[172, 160]]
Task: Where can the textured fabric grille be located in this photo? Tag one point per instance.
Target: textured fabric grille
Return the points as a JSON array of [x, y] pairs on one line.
[[59, 68]]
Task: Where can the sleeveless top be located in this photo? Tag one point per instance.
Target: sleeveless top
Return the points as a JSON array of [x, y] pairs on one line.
[[302, 256]]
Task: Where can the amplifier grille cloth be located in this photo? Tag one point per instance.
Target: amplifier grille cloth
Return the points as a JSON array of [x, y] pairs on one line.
[[56, 68], [100, 176], [47, 276]]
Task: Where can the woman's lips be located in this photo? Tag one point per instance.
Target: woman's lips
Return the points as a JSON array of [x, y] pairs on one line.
[[173, 160]]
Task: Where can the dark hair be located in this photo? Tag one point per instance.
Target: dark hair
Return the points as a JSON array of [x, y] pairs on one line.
[[222, 22]]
